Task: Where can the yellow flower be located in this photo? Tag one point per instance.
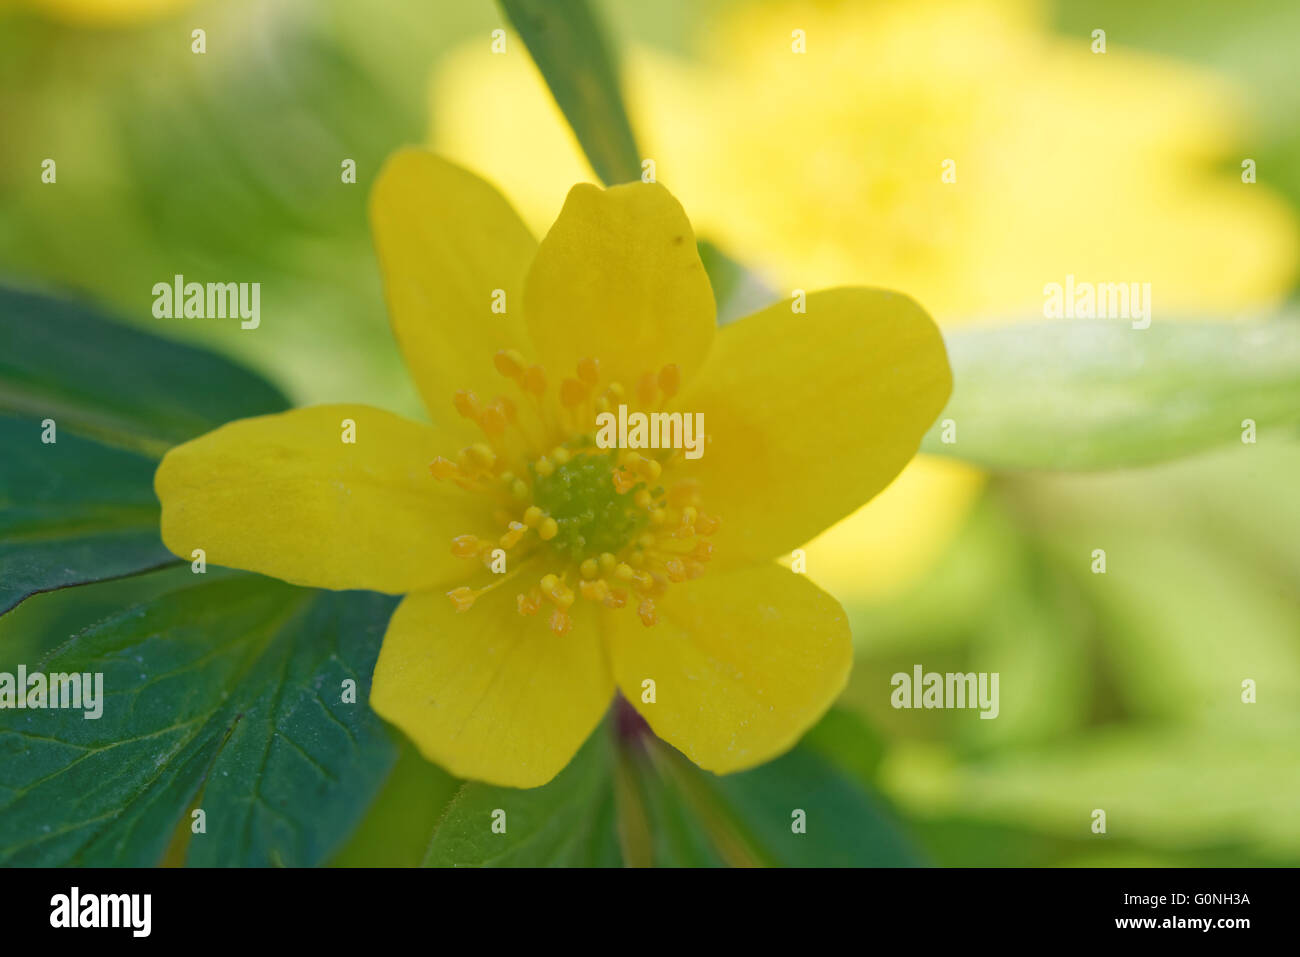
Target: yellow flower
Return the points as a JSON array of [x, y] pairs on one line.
[[620, 567], [827, 166]]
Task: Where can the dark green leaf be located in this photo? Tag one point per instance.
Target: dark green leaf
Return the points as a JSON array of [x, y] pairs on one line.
[[845, 739], [224, 696], [659, 828], [751, 815], [395, 831], [64, 361], [1093, 394], [82, 508], [72, 512], [569, 48], [568, 822]]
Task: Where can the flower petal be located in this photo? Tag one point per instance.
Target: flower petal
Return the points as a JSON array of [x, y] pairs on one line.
[[284, 495], [619, 278], [743, 663], [810, 415], [447, 241], [490, 695]]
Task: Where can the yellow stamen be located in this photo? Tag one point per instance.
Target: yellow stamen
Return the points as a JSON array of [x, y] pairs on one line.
[[647, 390], [573, 392], [527, 469], [443, 468], [462, 598], [646, 611], [511, 538], [509, 363], [589, 370], [670, 380], [535, 380], [466, 546]]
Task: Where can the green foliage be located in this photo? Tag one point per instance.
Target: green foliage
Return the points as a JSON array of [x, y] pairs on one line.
[[569, 821], [1093, 394], [631, 799], [224, 696], [81, 508], [570, 49]]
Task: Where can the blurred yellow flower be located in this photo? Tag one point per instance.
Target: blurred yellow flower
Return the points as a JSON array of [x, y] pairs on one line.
[[829, 165], [541, 569]]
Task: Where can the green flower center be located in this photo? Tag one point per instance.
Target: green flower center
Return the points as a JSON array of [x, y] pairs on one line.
[[621, 526], [592, 516]]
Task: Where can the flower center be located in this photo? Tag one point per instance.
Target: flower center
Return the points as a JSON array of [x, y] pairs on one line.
[[590, 514], [611, 526]]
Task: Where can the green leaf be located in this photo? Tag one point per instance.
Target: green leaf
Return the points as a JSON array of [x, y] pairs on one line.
[[224, 696], [82, 508], [1095, 394], [95, 377], [1171, 789], [395, 831], [568, 822], [846, 740], [74, 511], [737, 291], [569, 48], [658, 827], [751, 815], [635, 800]]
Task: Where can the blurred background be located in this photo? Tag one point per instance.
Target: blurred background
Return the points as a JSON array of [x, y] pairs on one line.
[[1118, 691]]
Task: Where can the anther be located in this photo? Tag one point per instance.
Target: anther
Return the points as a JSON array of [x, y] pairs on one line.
[[573, 392], [466, 404], [509, 363], [462, 598], [492, 420], [535, 380], [670, 380], [646, 611], [443, 468], [647, 389], [466, 546], [529, 604]]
